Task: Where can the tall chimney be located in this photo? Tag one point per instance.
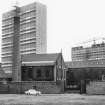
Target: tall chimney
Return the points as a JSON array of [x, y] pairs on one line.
[[16, 62]]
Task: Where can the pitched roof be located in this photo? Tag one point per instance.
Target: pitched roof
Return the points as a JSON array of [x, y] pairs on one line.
[[40, 59]]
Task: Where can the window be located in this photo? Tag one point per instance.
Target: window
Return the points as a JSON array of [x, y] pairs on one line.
[[27, 36], [6, 59], [7, 49], [47, 73], [7, 22], [27, 25], [8, 39], [39, 73], [7, 30], [28, 14], [28, 46]]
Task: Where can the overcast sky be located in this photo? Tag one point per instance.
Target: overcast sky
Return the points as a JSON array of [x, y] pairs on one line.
[[69, 22]]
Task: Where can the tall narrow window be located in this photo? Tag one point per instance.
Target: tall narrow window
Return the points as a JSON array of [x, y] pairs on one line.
[[38, 73]]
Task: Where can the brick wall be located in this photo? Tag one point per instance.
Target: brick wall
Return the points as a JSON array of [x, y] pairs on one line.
[[21, 87], [96, 87]]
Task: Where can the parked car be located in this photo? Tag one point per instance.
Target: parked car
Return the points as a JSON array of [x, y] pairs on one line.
[[32, 92]]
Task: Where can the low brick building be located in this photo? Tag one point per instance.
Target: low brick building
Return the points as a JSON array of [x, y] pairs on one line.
[[90, 69], [87, 71], [44, 72], [43, 67]]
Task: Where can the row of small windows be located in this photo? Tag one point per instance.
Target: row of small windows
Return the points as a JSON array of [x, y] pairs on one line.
[[30, 24], [7, 69], [22, 21], [22, 12], [8, 15], [6, 54], [7, 49], [10, 33], [82, 56], [90, 54], [90, 58], [27, 35], [29, 52], [26, 15], [28, 46], [26, 20], [27, 42], [95, 63], [7, 22], [7, 27], [28, 30], [6, 59], [25, 50], [90, 50], [8, 39], [91, 63], [26, 9], [7, 31], [7, 44], [7, 34], [5, 65], [77, 59]]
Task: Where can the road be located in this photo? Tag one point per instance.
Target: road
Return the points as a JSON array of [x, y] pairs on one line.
[[52, 99]]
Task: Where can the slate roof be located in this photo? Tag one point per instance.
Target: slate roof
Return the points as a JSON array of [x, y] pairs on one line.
[[40, 59]]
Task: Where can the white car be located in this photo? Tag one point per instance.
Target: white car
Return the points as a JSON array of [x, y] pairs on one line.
[[32, 92]]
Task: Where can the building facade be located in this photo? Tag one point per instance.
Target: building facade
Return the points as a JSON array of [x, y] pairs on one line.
[[88, 64], [43, 67], [43, 72], [31, 33], [94, 52], [90, 70]]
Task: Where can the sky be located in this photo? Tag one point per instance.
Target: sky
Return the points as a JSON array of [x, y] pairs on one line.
[[69, 22]]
